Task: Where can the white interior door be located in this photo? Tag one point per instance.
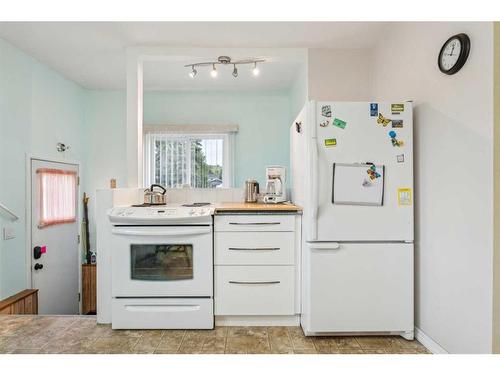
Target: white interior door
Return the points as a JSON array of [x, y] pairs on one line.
[[54, 229]]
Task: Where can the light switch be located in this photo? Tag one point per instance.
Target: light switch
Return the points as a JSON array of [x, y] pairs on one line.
[[8, 233]]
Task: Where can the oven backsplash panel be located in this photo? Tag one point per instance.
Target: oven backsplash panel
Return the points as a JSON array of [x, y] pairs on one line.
[[127, 197], [205, 195]]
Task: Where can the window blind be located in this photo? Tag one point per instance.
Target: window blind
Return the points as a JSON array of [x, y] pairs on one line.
[[178, 160]]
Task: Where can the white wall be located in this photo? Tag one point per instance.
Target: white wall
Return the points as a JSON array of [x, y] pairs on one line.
[[299, 92], [496, 193], [339, 74], [453, 176]]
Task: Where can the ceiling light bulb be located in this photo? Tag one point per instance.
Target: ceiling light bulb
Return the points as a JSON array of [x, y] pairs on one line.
[[193, 72], [235, 71], [255, 70], [213, 73]]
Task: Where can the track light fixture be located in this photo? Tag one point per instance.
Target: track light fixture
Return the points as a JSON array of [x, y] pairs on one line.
[[213, 73], [255, 70], [225, 60], [193, 72]]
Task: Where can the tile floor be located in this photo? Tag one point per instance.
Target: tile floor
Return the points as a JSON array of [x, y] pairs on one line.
[[74, 334]]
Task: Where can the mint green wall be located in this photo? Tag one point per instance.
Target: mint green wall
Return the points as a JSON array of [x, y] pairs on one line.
[[263, 119], [105, 145], [38, 108]]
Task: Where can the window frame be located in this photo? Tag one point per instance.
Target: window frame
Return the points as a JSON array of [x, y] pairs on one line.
[[192, 132]]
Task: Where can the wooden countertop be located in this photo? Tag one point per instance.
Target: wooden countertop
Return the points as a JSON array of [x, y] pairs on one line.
[[242, 207]]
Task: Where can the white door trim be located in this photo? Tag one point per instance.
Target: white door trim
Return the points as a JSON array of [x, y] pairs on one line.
[[29, 158]]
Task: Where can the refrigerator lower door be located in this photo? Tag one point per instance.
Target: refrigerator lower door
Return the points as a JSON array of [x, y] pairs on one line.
[[357, 287]]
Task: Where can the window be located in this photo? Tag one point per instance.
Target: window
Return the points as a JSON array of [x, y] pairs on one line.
[[57, 189], [161, 262], [200, 160]]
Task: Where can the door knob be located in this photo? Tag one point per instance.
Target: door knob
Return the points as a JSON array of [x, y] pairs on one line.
[[38, 266]]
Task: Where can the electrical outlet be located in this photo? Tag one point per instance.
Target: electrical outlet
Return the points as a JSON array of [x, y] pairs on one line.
[[8, 233]]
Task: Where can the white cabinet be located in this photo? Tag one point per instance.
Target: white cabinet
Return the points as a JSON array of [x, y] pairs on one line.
[[254, 223], [251, 248], [254, 290], [256, 264]]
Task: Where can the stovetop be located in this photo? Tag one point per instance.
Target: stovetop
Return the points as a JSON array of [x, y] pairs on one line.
[[161, 214]]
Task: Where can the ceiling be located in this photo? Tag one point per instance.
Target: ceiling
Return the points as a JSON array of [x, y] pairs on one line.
[[93, 54]]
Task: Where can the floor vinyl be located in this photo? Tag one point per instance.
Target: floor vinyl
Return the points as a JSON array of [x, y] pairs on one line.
[[25, 334]]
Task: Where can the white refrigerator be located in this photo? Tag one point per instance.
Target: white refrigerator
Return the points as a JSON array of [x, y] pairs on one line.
[[352, 172]]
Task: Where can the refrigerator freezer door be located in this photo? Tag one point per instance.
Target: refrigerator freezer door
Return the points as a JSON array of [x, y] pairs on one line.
[[354, 134], [358, 287]]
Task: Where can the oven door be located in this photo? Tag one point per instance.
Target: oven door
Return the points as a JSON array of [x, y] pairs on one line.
[[162, 261]]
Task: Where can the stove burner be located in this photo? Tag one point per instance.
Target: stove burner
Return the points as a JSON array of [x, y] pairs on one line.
[[197, 204]]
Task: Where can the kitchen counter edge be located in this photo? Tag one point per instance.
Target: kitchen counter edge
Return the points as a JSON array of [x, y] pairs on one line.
[[240, 207]]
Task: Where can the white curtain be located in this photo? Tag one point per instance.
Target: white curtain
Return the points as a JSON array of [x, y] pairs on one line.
[[57, 196]]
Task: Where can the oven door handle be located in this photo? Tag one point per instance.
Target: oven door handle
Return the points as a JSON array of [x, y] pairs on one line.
[[160, 232]]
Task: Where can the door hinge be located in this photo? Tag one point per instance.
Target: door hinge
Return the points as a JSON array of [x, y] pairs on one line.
[[79, 297], [78, 181], [78, 236]]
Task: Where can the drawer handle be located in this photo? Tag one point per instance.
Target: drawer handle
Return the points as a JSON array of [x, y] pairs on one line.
[[271, 223], [162, 308], [254, 282], [254, 248]]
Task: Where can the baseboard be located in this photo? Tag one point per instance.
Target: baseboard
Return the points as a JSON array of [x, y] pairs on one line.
[[257, 320], [429, 343]]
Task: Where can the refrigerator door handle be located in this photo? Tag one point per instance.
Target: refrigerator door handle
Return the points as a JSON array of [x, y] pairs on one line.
[[324, 245], [314, 189]]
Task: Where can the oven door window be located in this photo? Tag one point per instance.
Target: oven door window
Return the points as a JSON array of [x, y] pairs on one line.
[[161, 262]]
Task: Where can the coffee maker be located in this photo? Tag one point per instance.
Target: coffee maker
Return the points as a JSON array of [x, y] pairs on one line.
[[275, 184]]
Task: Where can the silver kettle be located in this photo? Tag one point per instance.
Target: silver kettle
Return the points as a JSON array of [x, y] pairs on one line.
[[155, 197]]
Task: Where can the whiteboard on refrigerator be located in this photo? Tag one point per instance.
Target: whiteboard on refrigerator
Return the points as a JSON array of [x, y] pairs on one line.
[[352, 184]]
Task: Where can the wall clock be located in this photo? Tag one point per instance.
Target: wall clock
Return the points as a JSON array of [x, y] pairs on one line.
[[454, 54]]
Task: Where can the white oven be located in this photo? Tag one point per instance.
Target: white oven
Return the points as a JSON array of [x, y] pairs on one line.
[[162, 261], [162, 268]]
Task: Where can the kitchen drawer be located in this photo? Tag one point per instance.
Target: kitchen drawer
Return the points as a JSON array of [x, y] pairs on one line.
[[254, 223], [162, 313], [254, 290], [250, 248]]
